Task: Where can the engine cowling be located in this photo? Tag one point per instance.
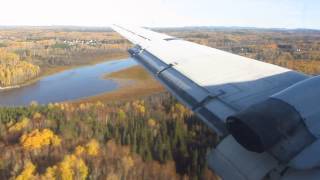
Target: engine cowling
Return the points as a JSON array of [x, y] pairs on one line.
[[284, 124]]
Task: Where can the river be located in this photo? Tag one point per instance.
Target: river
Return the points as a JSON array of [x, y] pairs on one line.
[[67, 85]]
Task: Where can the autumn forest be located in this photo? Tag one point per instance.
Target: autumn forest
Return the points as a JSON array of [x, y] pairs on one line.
[[136, 132]]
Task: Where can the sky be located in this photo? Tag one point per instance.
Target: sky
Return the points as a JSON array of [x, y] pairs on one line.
[[163, 13]]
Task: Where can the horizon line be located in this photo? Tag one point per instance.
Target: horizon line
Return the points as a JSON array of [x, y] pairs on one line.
[[187, 26]]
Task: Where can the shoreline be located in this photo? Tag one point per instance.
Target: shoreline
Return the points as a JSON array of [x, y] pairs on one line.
[[47, 71], [31, 81], [133, 82], [9, 87]]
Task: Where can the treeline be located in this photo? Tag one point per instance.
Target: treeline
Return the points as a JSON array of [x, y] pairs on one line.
[[14, 71], [151, 138], [295, 49], [50, 48]]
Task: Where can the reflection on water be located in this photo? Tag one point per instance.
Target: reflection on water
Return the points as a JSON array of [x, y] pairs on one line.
[[67, 85]]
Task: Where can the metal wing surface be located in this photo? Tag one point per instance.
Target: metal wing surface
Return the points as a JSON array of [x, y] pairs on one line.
[[213, 83]]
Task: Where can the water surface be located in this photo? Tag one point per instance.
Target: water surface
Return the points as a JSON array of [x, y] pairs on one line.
[[67, 85]]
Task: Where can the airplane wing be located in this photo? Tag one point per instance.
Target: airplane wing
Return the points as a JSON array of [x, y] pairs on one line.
[[221, 88]]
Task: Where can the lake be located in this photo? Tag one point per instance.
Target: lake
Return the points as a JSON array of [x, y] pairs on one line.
[[67, 85]]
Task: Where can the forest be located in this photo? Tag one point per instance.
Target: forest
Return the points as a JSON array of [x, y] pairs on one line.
[[154, 137], [13, 71]]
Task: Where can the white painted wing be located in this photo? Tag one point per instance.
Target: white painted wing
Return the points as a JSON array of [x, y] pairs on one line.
[[213, 83]]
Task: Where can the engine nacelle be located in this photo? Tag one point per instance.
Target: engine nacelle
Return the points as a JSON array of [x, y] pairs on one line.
[[284, 124]]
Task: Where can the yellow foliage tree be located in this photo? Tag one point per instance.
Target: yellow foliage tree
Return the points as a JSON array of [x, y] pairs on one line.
[[79, 150], [127, 163], [139, 106], [72, 167], [27, 172], [36, 115], [99, 104], [50, 174], [18, 126], [14, 71], [152, 122], [93, 147], [38, 139]]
